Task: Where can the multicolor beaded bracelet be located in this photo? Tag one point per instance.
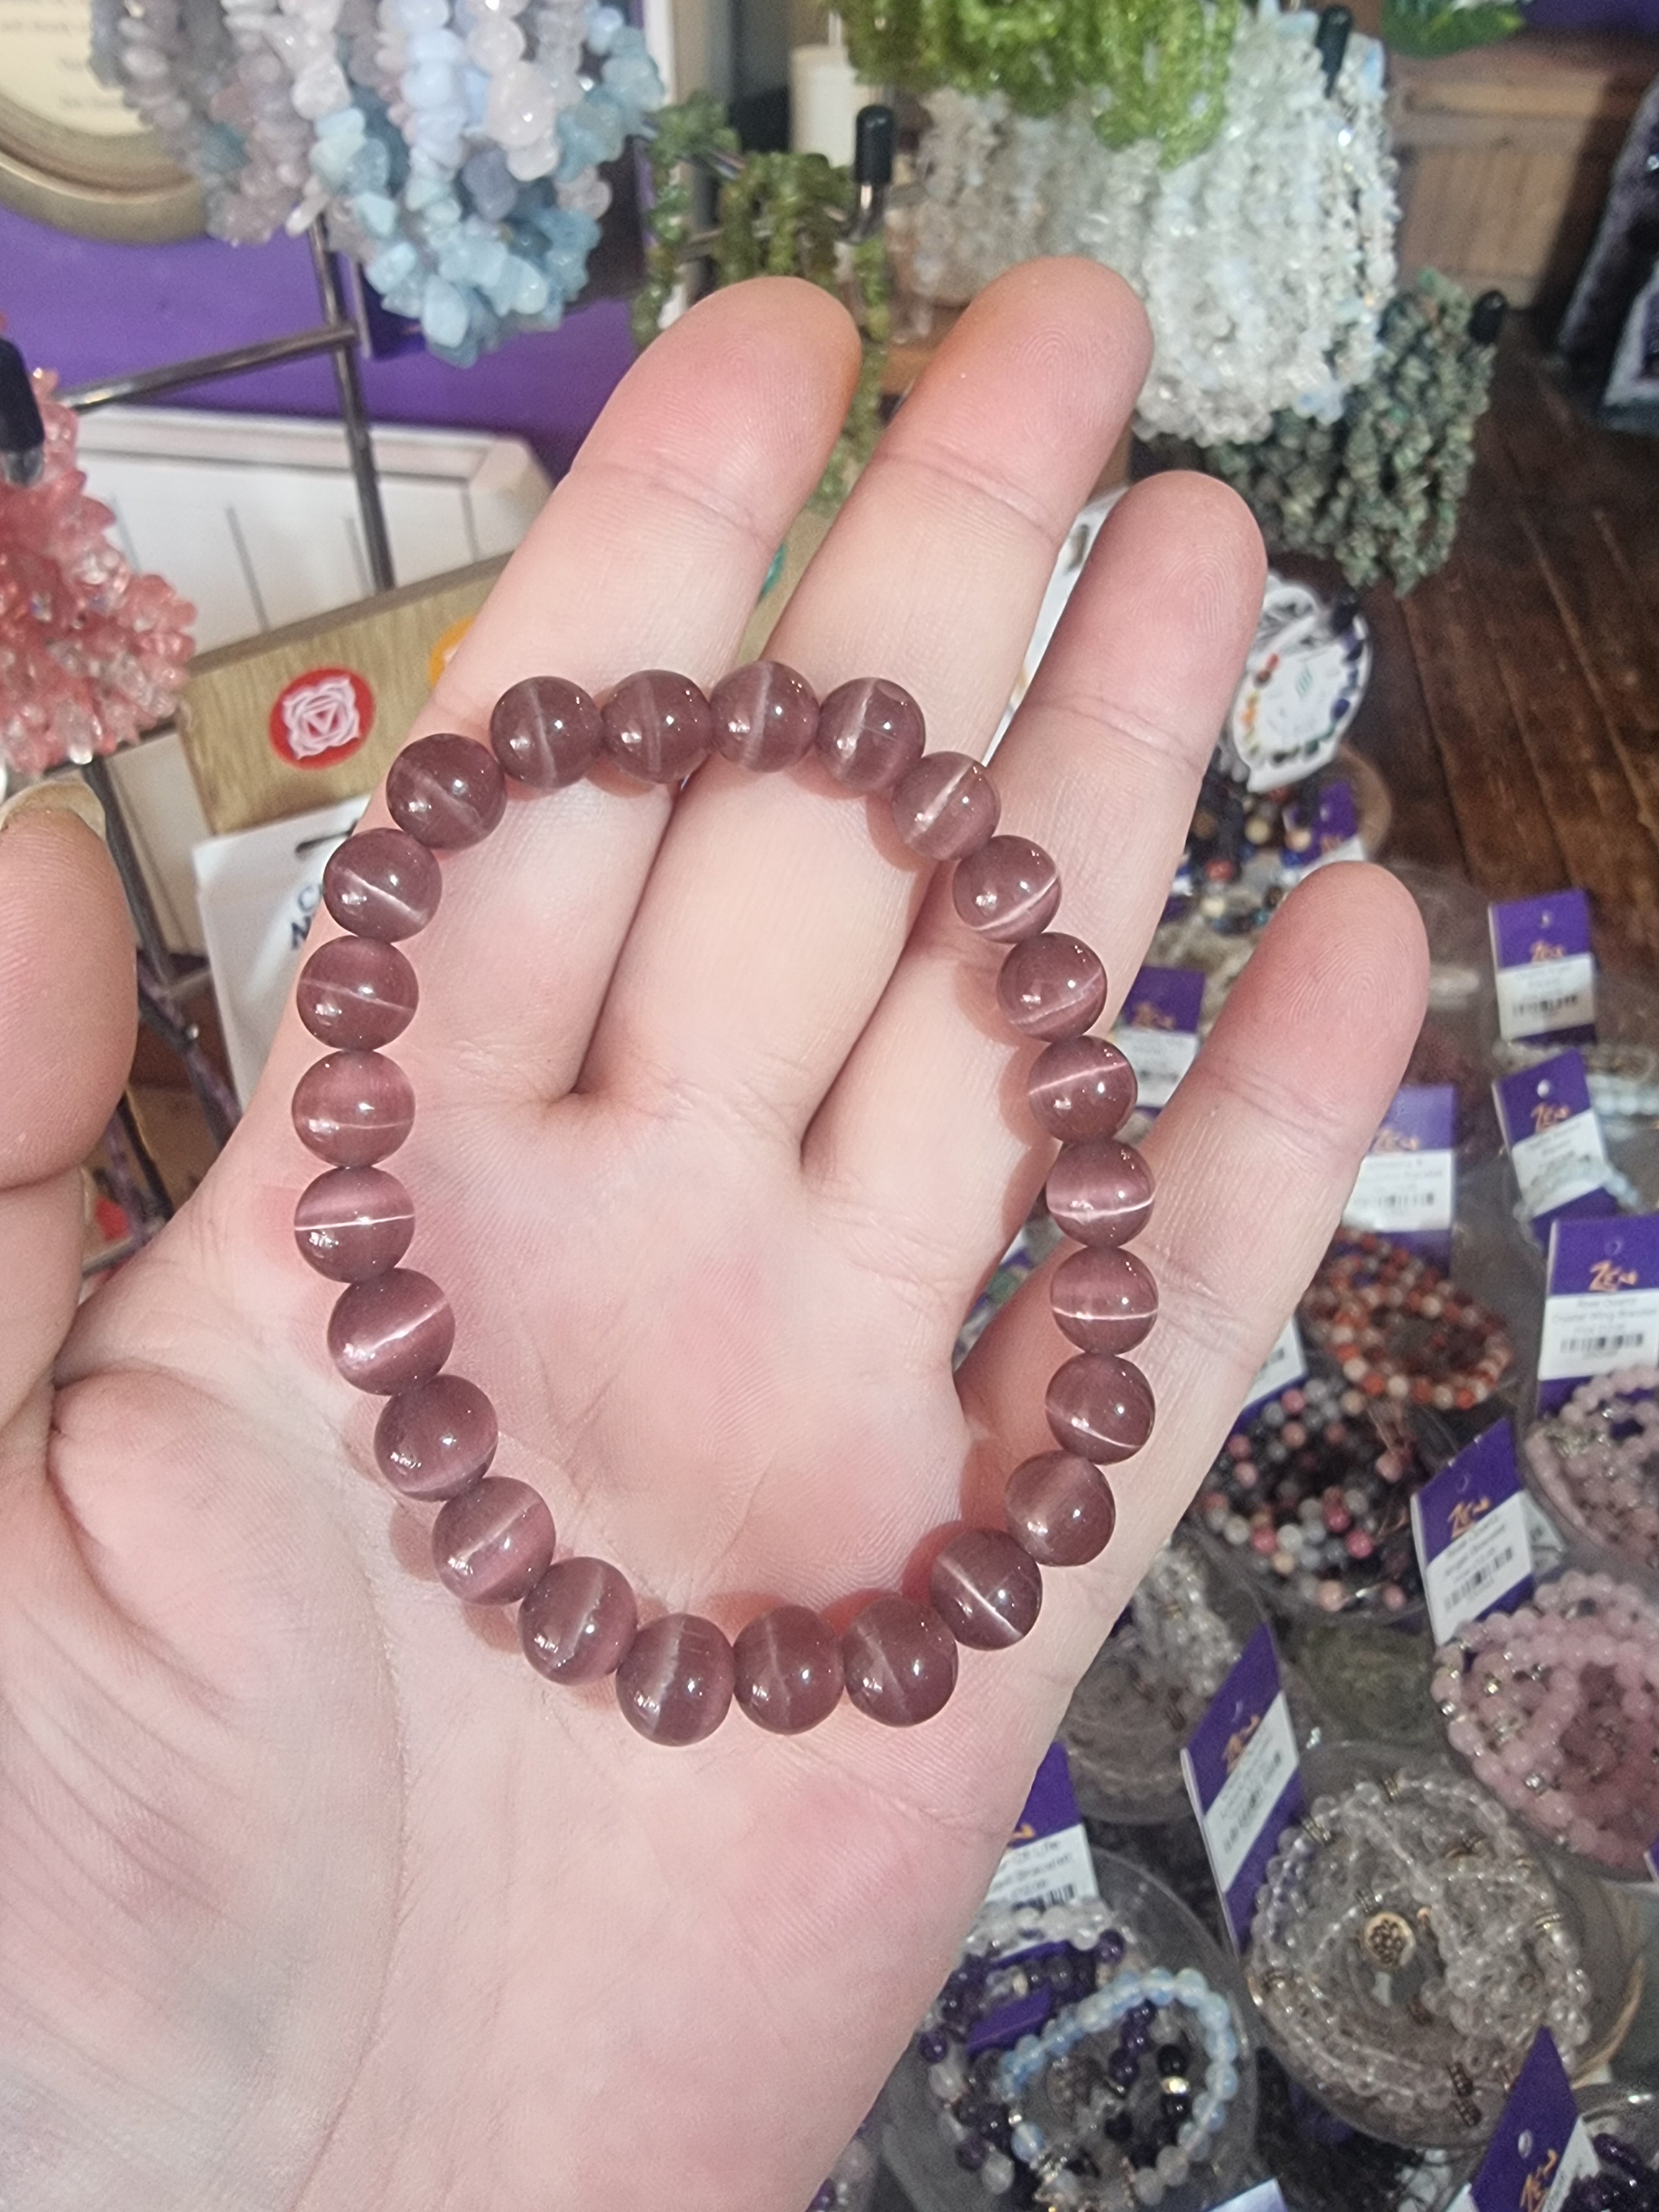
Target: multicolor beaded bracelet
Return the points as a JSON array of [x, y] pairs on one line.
[[391, 1329], [1313, 1493], [1398, 1328]]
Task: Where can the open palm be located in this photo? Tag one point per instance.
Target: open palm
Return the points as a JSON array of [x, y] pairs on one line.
[[312, 1894]]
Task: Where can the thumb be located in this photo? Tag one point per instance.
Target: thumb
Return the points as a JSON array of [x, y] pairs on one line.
[[67, 1021]]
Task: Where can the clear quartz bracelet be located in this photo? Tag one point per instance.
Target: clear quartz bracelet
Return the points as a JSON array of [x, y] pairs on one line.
[[1406, 1949]]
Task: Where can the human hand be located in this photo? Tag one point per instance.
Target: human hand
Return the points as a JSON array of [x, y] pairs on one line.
[[312, 1894]]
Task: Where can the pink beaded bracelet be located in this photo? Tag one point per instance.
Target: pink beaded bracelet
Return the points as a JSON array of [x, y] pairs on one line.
[[391, 1329]]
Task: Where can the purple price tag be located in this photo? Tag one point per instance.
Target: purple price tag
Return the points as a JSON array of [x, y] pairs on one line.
[[1406, 1188], [1540, 948], [1158, 1031], [1048, 1861], [1600, 1303], [1244, 1778], [1335, 828], [1165, 998], [1470, 1526], [1555, 1142], [1540, 2148], [1051, 1802], [1525, 932]]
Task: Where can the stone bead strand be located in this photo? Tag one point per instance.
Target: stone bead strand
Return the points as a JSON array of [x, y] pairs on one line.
[[391, 1330], [1556, 1708], [1406, 1949]]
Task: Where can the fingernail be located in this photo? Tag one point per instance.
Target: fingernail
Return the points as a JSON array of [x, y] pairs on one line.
[[59, 794]]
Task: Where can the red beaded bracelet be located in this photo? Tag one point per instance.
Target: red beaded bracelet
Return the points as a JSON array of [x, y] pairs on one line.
[[391, 1329]]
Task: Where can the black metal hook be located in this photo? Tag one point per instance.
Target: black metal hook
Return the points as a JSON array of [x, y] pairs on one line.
[[1486, 318], [22, 433], [1331, 41], [875, 139]]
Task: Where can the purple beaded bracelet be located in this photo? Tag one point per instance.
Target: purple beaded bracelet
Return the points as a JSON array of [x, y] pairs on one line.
[[391, 1329]]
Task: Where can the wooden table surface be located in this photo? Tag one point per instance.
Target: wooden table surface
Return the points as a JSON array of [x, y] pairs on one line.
[[1514, 708]]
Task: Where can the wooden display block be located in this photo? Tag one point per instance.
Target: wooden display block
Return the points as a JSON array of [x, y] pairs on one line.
[[1505, 152], [313, 712]]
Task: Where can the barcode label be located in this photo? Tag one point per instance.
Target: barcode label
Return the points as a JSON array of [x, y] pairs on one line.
[[1546, 995], [1599, 1347], [1560, 1164], [1250, 1793], [1504, 1567], [1592, 1332], [1478, 1570], [1054, 1869], [1159, 1058], [1285, 1364], [1402, 1191]]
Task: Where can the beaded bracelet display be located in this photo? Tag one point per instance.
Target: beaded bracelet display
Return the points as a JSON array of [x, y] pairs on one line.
[[1398, 1327], [849, 2181], [1406, 1949], [1146, 1688], [391, 1329], [1597, 1464], [1072, 2163], [1313, 1494], [1056, 1952], [1556, 1708], [1114, 2146], [1626, 2182]]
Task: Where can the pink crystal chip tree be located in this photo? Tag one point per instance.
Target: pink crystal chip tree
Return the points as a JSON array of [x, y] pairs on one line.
[[91, 654]]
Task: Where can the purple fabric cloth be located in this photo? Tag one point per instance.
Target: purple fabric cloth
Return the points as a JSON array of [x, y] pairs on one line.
[[92, 310], [1639, 17]]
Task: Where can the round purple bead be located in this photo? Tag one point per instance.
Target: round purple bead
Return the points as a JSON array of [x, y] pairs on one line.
[[353, 1223], [546, 731], [356, 993], [445, 791], [437, 1439], [382, 884]]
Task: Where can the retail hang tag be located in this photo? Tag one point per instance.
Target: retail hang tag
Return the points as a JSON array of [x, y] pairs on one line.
[[1600, 1303], [1048, 1861], [1406, 1182], [1555, 1142], [1330, 828], [258, 891], [1542, 2146], [1266, 2197], [1244, 1778], [1469, 1523], [1285, 1364], [1156, 1032], [1546, 969]]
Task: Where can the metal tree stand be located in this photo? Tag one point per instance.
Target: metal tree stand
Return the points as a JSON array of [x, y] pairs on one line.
[[167, 984]]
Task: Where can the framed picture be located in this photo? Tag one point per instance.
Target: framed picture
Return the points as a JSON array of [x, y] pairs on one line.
[[71, 154]]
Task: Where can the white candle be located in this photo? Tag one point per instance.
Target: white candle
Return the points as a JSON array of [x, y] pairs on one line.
[[824, 99]]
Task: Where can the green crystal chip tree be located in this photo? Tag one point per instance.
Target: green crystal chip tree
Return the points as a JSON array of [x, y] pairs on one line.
[[1378, 490]]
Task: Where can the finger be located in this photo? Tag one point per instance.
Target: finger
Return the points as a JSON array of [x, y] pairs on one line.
[[651, 553], [67, 1020], [1255, 1157], [927, 1130], [774, 916]]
